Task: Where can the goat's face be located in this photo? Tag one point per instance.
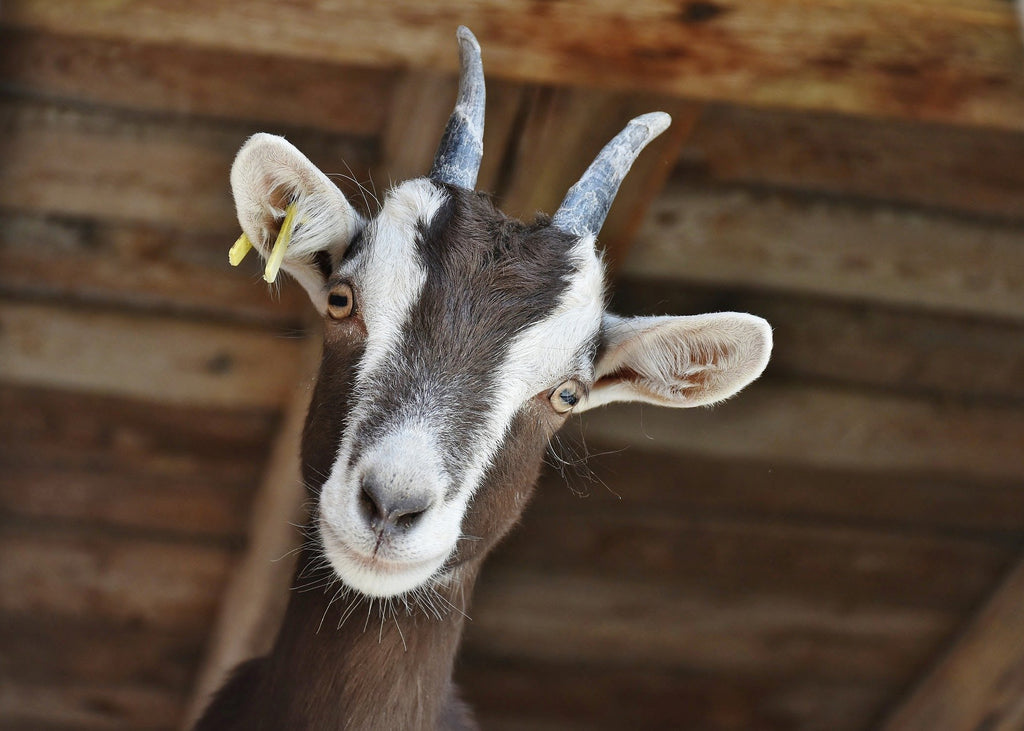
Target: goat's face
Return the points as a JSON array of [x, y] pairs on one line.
[[457, 341], [464, 321]]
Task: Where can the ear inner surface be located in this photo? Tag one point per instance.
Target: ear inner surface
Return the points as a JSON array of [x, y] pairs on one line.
[[270, 177], [679, 361]]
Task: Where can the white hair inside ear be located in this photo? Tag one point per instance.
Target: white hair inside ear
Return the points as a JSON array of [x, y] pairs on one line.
[[692, 360], [269, 176]]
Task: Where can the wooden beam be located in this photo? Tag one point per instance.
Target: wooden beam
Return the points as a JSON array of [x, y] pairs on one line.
[[979, 683], [958, 62], [420, 107], [47, 648], [138, 266], [79, 430], [164, 171], [256, 595], [896, 160], [158, 359], [821, 339], [736, 555], [551, 616], [204, 82], [619, 480], [127, 580], [508, 693], [198, 508], [563, 130], [820, 426], [872, 253], [84, 704]]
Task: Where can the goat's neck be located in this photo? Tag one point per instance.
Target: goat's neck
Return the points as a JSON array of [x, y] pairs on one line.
[[383, 667]]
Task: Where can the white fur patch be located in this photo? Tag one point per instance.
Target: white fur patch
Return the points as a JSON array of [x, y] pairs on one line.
[[390, 278], [541, 357]]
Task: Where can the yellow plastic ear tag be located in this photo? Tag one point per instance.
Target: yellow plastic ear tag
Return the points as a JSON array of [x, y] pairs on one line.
[[280, 246], [239, 250]]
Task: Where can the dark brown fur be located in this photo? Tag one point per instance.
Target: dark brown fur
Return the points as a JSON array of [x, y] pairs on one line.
[[397, 674]]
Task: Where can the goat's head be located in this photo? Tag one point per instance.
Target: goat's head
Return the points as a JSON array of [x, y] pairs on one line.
[[458, 341]]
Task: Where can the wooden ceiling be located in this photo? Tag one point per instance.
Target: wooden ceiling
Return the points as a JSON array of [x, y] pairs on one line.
[[834, 549]]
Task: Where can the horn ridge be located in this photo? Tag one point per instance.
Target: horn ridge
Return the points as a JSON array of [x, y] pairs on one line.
[[458, 156], [587, 203]]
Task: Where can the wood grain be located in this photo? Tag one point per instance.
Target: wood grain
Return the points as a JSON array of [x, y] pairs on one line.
[[933, 165], [58, 429], [164, 360], [49, 648], [509, 693], [979, 682], [166, 79], [734, 557], [256, 596], [130, 581], [823, 427], [820, 339], [69, 160], [85, 704], [571, 126], [141, 267], [871, 253], [552, 616], [959, 61], [198, 507], [701, 487]]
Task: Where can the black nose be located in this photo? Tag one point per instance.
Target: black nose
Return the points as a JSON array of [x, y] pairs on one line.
[[387, 511]]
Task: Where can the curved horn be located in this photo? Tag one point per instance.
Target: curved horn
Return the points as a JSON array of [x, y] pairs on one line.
[[586, 204], [462, 146]]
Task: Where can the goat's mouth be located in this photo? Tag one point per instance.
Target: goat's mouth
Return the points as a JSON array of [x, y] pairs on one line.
[[377, 574]]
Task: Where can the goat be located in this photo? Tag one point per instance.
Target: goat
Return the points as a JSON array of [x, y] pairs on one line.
[[457, 342]]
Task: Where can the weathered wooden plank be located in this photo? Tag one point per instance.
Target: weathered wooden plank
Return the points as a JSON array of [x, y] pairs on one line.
[[199, 81], [852, 343], [51, 648], [957, 61], [873, 253], [167, 171], [730, 557], [925, 164], [420, 107], [133, 581], [979, 683], [87, 705], [557, 617], [822, 427], [256, 596], [195, 507], [630, 477], [137, 266], [87, 432], [529, 694], [561, 133], [154, 358]]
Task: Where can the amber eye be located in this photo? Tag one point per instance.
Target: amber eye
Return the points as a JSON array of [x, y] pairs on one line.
[[566, 396], [340, 302]]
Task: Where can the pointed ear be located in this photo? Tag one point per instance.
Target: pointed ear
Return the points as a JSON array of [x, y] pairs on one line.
[[678, 361], [269, 174]]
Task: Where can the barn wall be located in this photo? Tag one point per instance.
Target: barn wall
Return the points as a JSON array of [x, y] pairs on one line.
[[797, 558]]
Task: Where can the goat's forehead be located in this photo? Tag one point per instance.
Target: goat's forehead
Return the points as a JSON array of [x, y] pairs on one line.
[[463, 262]]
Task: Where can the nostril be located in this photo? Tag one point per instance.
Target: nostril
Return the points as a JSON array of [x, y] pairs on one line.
[[408, 519], [369, 504], [384, 511]]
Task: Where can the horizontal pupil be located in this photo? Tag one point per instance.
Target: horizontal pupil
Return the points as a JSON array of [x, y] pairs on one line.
[[338, 300], [568, 397]]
